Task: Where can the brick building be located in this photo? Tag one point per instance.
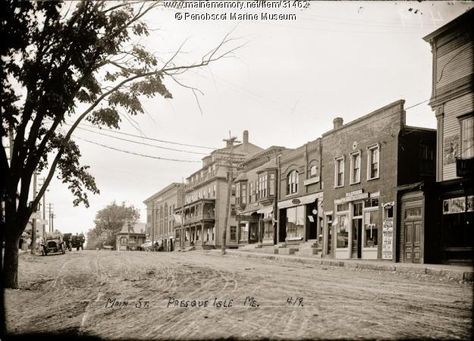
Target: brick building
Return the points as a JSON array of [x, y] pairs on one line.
[[205, 205], [161, 219], [300, 197], [452, 100], [364, 161]]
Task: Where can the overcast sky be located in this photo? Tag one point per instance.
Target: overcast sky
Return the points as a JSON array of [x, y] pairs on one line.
[[285, 85]]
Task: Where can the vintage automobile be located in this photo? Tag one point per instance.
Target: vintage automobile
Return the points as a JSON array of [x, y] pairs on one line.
[[52, 244], [67, 241], [78, 241]]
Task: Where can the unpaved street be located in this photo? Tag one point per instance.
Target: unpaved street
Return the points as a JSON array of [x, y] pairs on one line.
[[98, 293]]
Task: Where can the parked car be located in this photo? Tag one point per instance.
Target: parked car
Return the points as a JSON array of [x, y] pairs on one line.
[[53, 244]]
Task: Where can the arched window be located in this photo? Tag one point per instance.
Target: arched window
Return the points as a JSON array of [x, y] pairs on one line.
[[292, 182]]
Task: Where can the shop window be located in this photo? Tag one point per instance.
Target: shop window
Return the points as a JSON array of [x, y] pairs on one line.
[[292, 182], [355, 168], [268, 230], [373, 160], [342, 231], [339, 172], [371, 202], [371, 227], [244, 231], [467, 136], [295, 222], [233, 233]]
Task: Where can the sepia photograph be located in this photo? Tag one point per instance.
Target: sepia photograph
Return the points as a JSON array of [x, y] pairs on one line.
[[236, 170]]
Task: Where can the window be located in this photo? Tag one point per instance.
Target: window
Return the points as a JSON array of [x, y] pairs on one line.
[[371, 226], [373, 162], [262, 186], [467, 137], [313, 171], [295, 222], [237, 194], [342, 207], [342, 231], [371, 202], [272, 184], [233, 233], [214, 191], [244, 193], [355, 168], [252, 192], [292, 182], [339, 172], [244, 231]]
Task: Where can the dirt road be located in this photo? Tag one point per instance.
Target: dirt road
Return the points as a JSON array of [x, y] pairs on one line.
[[193, 295]]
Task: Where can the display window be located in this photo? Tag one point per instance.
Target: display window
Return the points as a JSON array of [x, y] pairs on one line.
[[371, 228], [342, 231], [295, 222]]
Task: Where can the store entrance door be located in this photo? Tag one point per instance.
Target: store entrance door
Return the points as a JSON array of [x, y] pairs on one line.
[[357, 230], [412, 248]]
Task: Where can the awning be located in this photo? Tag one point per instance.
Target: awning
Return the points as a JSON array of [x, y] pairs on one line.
[[307, 199], [265, 210], [247, 213]]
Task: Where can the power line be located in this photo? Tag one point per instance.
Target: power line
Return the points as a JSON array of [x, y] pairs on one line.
[[142, 143], [147, 138], [133, 153]]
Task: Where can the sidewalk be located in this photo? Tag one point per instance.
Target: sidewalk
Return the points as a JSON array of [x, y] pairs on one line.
[[455, 272]]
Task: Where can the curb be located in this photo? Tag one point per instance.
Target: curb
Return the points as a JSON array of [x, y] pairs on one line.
[[445, 272]]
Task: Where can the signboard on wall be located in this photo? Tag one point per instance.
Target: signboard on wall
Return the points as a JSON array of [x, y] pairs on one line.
[[458, 205], [387, 239]]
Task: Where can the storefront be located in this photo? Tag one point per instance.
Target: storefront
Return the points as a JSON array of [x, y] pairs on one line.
[[456, 204], [357, 226], [300, 218]]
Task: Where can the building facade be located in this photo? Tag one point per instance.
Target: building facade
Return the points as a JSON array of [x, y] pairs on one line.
[[300, 196], [203, 214], [364, 163], [452, 100], [161, 218], [131, 237], [256, 198]]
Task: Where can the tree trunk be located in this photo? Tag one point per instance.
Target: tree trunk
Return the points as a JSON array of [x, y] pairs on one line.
[[10, 262]]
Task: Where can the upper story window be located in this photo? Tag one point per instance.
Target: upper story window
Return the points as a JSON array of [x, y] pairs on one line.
[[467, 136], [243, 191], [355, 167], [237, 193], [252, 192], [262, 186], [339, 172], [292, 182], [271, 184], [373, 162], [313, 171]]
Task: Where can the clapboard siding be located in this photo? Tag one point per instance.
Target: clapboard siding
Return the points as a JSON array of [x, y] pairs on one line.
[[454, 65], [452, 110], [452, 42]]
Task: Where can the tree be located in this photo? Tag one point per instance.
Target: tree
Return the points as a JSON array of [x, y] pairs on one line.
[[109, 221], [58, 58]]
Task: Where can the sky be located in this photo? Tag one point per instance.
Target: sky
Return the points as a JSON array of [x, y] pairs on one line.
[[285, 84]]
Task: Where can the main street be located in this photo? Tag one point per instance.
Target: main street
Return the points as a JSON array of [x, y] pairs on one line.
[[197, 295]]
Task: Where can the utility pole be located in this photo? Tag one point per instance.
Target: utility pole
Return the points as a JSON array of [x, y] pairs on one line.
[[33, 221], [230, 141]]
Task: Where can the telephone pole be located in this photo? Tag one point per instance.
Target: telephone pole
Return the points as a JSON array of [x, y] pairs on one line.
[[230, 141], [33, 220]]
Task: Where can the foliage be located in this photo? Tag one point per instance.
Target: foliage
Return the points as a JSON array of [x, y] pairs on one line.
[[109, 221], [68, 62]]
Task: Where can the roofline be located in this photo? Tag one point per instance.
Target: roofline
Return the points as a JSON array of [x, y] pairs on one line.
[[162, 191], [448, 26], [362, 118]]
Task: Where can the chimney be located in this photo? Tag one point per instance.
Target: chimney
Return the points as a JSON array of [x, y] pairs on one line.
[[245, 137], [228, 143], [338, 122]]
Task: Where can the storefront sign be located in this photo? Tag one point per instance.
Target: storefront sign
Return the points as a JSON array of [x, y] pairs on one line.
[[296, 201], [387, 239]]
